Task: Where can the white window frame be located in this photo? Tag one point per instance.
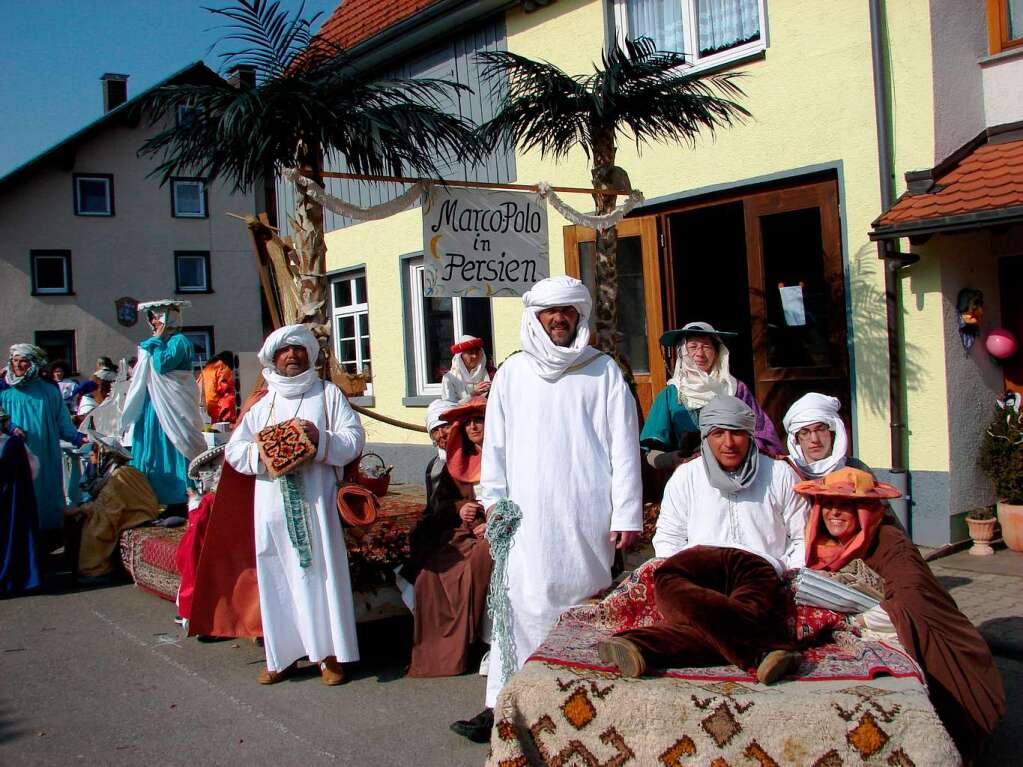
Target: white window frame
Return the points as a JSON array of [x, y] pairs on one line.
[[203, 256], [357, 310], [423, 388], [201, 183], [690, 28], [108, 181], [65, 258]]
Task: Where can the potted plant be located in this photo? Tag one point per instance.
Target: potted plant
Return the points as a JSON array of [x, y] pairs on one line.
[[981, 522], [1001, 458]]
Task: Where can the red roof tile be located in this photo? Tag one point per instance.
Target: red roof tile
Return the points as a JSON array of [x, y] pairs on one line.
[[989, 178], [356, 20]]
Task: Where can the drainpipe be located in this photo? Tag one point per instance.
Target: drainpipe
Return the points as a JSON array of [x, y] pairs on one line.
[[891, 260]]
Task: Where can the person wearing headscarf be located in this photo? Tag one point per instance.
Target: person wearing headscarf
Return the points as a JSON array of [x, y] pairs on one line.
[[305, 590], [470, 374], [437, 428], [671, 432], [818, 443], [730, 524], [848, 522], [162, 405], [562, 444], [449, 560], [216, 382], [19, 526], [121, 499], [38, 415]]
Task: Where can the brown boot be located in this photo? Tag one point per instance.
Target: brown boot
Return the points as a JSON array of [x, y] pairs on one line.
[[620, 652], [776, 664], [331, 671], [266, 676]]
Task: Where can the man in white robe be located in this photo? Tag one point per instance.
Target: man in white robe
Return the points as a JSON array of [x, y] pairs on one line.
[[730, 524], [562, 443], [307, 609]]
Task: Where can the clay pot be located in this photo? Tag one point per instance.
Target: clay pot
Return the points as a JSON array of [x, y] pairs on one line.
[[1010, 517], [982, 531]]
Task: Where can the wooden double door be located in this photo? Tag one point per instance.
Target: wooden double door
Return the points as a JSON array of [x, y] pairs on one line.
[[766, 264]]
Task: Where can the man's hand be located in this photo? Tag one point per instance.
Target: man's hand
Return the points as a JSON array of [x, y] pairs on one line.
[[19, 432], [622, 539], [469, 511], [480, 530], [312, 432]]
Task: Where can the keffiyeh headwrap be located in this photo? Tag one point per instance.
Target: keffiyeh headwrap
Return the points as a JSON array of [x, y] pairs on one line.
[[549, 360], [289, 335], [810, 409], [695, 387], [36, 358], [728, 412]]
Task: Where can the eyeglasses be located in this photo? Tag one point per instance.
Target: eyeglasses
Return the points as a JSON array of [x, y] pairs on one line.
[[695, 346], [817, 431]]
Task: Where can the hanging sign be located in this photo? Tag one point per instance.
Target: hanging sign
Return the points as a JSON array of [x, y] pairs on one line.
[[127, 311], [483, 242]]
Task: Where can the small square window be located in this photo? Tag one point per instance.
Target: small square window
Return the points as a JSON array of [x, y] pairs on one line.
[[94, 194], [188, 198], [192, 271], [51, 272]]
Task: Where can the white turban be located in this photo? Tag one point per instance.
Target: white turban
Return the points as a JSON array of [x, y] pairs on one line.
[[550, 360], [810, 409], [435, 411], [289, 335]]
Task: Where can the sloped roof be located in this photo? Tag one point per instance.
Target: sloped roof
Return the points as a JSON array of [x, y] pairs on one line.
[[195, 72], [982, 188], [356, 20]]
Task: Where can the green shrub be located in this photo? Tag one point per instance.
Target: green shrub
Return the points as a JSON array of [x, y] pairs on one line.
[[1001, 453], [981, 513]]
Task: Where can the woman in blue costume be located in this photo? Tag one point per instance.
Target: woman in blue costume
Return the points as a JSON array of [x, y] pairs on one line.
[[19, 566], [671, 432], [163, 405], [38, 415]]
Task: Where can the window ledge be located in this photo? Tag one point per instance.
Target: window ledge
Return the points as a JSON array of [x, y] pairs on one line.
[[996, 58], [47, 294], [187, 216], [364, 401], [422, 400], [728, 61], [193, 292]]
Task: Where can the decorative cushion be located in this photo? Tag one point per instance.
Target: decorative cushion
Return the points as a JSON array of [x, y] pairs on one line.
[[284, 447]]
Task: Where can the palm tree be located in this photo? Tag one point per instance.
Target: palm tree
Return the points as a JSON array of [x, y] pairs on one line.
[[638, 92], [308, 101]]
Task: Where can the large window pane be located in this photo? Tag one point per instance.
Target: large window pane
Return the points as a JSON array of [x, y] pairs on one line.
[[346, 327], [188, 198], [660, 20], [1015, 16], [725, 24], [343, 293], [632, 339], [191, 273], [439, 332], [476, 321], [794, 259]]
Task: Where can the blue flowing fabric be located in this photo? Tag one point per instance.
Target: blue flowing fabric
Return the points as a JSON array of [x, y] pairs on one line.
[[152, 451], [19, 568], [38, 409]]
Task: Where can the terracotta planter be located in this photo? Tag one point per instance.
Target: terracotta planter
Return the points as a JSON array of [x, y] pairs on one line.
[[982, 531], [1010, 517]]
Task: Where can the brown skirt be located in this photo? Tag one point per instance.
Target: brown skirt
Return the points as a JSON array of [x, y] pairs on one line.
[[451, 597]]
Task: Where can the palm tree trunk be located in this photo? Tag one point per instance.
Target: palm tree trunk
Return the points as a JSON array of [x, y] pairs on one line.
[[606, 309], [310, 244]]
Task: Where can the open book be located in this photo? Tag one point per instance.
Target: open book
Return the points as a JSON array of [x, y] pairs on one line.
[[817, 589]]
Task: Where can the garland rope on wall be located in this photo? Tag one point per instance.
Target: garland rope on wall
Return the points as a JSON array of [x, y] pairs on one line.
[[603, 221], [375, 213]]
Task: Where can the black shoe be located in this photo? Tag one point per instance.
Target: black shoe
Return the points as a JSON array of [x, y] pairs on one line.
[[478, 728]]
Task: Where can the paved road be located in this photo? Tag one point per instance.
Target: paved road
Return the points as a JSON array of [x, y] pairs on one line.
[[104, 677]]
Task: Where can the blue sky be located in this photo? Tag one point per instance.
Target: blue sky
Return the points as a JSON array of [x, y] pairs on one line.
[[54, 52]]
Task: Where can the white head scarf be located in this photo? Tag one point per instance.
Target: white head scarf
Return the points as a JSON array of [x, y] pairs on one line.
[[289, 335], [810, 409], [550, 360], [469, 377], [36, 358], [696, 388], [434, 418]]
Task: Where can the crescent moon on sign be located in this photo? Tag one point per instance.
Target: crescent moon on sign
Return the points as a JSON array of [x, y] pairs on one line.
[[433, 246]]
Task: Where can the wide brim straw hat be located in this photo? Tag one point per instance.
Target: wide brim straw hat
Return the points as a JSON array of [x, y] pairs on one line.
[[475, 406], [848, 483], [674, 337], [204, 459]]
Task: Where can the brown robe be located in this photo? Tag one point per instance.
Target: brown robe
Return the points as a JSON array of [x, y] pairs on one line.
[[962, 680], [450, 567]]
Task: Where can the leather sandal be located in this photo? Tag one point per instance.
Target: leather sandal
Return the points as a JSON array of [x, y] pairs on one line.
[[776, 664], [331, 671], [266, 676], [620, 652]]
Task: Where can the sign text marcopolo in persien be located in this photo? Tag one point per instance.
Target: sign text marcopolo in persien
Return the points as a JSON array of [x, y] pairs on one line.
[[506, 217]]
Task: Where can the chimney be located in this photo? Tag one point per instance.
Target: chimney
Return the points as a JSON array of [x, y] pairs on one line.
[[115, 90], [242, 76]]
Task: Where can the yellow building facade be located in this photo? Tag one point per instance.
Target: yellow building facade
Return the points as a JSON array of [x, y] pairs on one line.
[[809, 87]]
